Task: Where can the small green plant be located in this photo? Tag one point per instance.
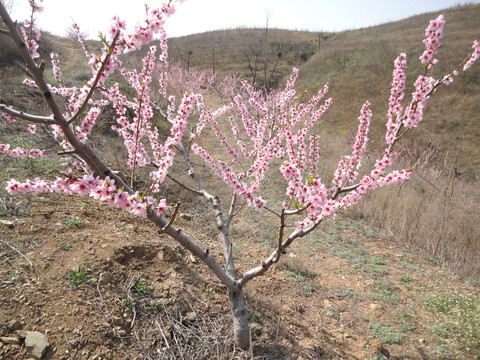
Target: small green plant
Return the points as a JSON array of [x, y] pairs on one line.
[[384, 292], [76, 222], [85, 203], [128, 303], [379, 356], [301, 276], [404, 318], [254, 316], [352, 295], [141, 287], [378, 261], [77, 277], [334, 312], [156, 304], [405, 278], [386, 334], [13, 274], [66, 246]]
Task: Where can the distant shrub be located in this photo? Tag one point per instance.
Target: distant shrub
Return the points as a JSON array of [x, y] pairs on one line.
[[9, 52]]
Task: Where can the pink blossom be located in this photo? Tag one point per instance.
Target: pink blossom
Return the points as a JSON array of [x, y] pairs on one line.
[[474, 56]]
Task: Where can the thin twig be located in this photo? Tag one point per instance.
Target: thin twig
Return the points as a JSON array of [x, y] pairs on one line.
[[183, 185], [18, 251], [163, 335], [172, 219]]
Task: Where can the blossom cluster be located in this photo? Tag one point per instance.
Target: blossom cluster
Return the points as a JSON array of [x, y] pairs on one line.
[[99, 189], [397, 94], [474, 56], [433, 33], [414, 112], [29, 28], [21, 153]]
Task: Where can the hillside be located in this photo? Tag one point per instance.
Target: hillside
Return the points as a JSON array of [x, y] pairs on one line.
[[396, 277]]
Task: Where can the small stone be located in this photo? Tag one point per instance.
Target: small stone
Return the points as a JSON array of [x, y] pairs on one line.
[[36, 344], [14, 324], [118, 321], [191, 315], [375, 307], [9, 340], [185, 216], [22, 334], [422, 341], [189, 318], [7, 223], [105, 278], [122, 332], [74, 342]]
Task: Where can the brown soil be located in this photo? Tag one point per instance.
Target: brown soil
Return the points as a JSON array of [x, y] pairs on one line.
[[315, 305]]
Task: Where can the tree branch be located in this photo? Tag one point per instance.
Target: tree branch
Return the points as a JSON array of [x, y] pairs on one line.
[[183, 185], [32, 118]]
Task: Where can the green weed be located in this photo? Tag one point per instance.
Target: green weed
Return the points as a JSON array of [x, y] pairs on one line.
[[384, 292], [76, 222], [142, 287], [405, 278], [77, 277], [65, 246], [386, 334], [334, 312], [254, 316]]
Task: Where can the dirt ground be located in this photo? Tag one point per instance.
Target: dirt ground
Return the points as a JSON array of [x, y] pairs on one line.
[[143, 297]]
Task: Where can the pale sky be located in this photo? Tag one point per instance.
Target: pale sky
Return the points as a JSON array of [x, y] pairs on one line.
[[195, 16]]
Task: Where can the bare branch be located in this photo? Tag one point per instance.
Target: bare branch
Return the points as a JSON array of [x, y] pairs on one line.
[[172, 219], [32, 118], [18, 251], [183, 185], [280, 236], [231, 211]]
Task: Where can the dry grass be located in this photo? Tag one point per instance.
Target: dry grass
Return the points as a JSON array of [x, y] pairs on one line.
[[437, 211]]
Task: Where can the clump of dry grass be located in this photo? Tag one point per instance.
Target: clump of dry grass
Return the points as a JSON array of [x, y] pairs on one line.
[[437, 211]]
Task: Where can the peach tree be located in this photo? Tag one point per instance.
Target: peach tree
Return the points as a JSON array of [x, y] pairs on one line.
[[268, 131]]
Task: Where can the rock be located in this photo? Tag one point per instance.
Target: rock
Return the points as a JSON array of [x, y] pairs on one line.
[[74, 342], [36, 344], [378, 347], [185, 216], [189, 318], [375, 307], [105, 278], [22, 334], [7, 223], [257, 329], [9, 340], [13, 325], [118, 321]]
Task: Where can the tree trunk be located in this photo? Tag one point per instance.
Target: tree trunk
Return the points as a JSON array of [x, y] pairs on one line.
[[241, 331]]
